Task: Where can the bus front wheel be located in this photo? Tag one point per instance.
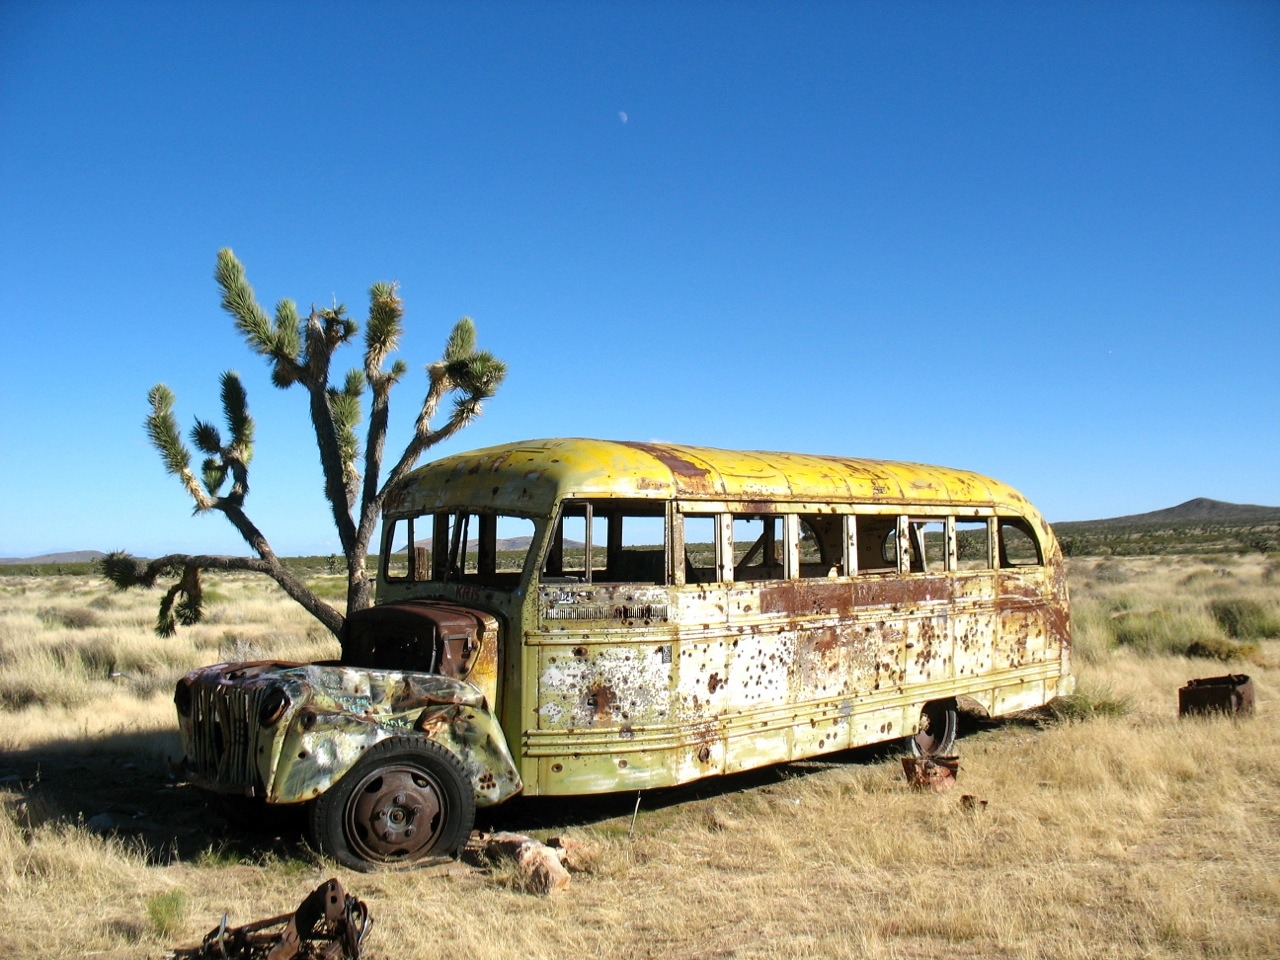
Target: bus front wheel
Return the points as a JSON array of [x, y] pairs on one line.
[[936, 733], [406, 800]]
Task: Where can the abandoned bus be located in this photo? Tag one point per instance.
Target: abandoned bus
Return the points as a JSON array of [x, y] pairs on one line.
[[581, 616]]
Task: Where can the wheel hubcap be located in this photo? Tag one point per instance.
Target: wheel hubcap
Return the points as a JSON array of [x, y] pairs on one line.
[[395, 813]]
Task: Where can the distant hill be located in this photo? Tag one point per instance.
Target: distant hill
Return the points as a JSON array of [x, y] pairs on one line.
[[1201, 510], [75, 556], [1197, 526]]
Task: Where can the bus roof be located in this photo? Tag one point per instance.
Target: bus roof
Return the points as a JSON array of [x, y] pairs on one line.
[[530, 476]]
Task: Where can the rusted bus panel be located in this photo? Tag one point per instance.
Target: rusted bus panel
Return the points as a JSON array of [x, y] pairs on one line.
[[762, 688], [973, 631], [613, 686]]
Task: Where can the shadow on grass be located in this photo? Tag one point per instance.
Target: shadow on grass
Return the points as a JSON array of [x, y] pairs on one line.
[[124, 784]]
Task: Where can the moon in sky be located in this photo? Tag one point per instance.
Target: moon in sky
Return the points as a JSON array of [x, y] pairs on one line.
[[622, 116]]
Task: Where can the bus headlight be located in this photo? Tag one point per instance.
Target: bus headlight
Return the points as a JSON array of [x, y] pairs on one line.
[[274, 704]]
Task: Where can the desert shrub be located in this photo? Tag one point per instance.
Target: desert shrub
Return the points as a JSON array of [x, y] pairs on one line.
[[1088, 702], [1091, 638], [167, 911], [329, 588], [1143, 631], [72, 618], [97, 658], [1161, 633], [1258, 540], [1244, 619], [16, 694], [1219, 648], [1110, 573], [1205, 578]]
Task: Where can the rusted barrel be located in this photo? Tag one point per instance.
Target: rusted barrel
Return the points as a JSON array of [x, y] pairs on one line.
[[1232, 694]]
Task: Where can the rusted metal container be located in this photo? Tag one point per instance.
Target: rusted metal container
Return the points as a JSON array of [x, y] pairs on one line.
[[1232, 694]]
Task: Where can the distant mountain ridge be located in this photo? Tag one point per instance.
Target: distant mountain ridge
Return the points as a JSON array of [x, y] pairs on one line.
[[75, 556], [1198, 510]]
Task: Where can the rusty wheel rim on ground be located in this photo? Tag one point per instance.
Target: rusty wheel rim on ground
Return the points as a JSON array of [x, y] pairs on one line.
[[936, 734], [396, 814]]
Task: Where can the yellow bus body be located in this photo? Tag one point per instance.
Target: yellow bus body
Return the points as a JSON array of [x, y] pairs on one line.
[[604, 686]]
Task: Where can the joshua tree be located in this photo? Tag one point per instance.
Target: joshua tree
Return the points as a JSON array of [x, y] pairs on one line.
[[299, 351]]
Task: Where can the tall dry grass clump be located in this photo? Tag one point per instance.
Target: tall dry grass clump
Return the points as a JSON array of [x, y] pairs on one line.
[[1111, 828], [77, 656], [1214, 609]]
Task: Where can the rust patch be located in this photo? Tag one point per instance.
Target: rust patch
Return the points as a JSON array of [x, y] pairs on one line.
[[799, 598], [931, 773], [900, 591], [600, 701], [689, 477]]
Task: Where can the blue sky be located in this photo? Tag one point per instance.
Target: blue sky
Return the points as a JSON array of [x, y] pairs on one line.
[[1040, 241]]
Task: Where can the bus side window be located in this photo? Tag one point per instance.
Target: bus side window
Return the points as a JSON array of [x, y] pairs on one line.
[[632, 540], [1018, 544], [821, 551], [973, 545], [877, 543], [700, 560], [928, 550], [757, 547]]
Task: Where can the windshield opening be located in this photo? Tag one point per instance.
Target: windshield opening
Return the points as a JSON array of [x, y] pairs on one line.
[[458, 546]]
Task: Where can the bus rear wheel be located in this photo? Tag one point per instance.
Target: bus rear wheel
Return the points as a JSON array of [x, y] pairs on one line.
[[936, 733], [407, 800]]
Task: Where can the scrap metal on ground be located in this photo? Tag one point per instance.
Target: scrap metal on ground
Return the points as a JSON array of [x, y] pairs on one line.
[[329, 924]]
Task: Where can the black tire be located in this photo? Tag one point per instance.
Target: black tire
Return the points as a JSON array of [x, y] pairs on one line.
[[936, 734], [407, 800]]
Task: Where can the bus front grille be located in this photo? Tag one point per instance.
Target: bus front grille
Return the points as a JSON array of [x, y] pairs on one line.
[[220, 751]]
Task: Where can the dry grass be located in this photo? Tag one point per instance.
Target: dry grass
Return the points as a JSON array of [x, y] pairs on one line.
[[1117, 832]]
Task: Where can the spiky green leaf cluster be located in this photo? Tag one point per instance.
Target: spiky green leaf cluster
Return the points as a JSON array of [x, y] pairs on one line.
[[382, 332], [462, 341], [123, 571], [345, 404], [235, 408], [481, 375], [162, 429], [238, 299], [183, 603], [281, 340], [287, 345]]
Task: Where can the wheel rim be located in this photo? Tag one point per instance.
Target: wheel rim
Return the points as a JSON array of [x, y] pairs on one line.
[[396, 813], [935, 733]]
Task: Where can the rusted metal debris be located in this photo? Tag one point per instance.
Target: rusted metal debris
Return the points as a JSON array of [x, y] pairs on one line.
[[538, 866], [931, 773], [1232, 694], [329, 924]]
